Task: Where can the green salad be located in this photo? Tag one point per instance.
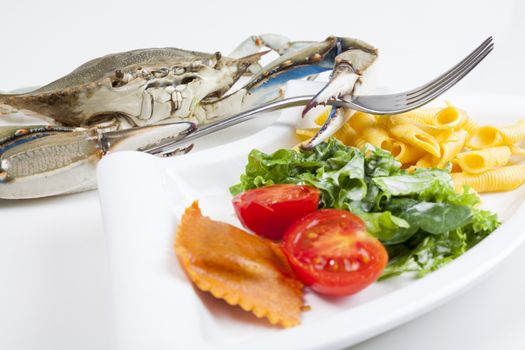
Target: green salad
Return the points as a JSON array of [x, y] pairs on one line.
[[419, 217]]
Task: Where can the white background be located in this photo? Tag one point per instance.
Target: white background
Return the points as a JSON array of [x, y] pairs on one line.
[[54, 283]]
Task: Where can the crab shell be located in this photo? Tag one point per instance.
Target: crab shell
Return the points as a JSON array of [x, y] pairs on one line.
[[143, 86]]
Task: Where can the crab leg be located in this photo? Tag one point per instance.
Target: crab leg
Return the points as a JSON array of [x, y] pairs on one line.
[[336, 119], [274, 42], [39, 161]]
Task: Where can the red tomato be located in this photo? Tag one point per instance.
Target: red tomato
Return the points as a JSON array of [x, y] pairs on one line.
[[331, 251], [269, 211]]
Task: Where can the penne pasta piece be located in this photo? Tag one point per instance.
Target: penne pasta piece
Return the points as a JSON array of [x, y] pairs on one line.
[[518, 151], [360, 121], [451, 147], [441, 134], [450, 117], [305, 134], [455, 166], [491, 136], [346, 135], [405, 153], [470, 126], [475, 162], [377, 137], [513, 133], [360, 143], [495, 180], [485, 137], [413, 135], [421, 115], [425, 162], [321, 118]]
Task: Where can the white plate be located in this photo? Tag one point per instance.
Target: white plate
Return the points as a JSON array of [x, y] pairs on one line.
[[156, 307]]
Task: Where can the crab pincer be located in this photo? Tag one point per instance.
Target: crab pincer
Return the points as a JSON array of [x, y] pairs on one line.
[[352, 58]]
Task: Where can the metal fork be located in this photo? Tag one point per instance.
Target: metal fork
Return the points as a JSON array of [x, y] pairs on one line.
[[374, 104]]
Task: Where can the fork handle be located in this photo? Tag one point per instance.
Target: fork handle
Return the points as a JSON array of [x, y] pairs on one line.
[[241, 117]]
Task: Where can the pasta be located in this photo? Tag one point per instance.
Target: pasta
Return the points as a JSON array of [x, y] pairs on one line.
[[485, 137], [377, 137], [425, 162], [321, 118], [515, 150], [389, 122], [413, 135], [421, 115], [451, 147], [360, 121], [491, 136], [500, 179], [405, 153], [470, 126], [346, 134], [513, 133], [475, 162], [450, 117], [455, 166]]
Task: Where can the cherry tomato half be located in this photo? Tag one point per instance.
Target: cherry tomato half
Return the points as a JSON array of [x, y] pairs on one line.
[[331, 251], [269, 211]]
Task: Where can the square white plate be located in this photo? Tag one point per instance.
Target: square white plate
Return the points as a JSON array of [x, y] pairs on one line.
[[156, 307]]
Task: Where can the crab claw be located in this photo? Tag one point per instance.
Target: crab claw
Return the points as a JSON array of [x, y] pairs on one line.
[[343, 82], [336, 119], [353, 58]]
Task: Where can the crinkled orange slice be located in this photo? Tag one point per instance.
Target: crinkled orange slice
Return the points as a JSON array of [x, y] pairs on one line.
[[240, 268]]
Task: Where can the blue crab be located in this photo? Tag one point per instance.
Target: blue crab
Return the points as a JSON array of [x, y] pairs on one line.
[[133, 100]]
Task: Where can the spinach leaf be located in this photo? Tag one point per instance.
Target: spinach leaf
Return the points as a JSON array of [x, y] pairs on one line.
[[384, 226], [434, 218]]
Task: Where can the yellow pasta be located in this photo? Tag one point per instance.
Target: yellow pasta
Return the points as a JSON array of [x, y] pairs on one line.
[[425, 162], [470, 126], [451, 147], [455, 166], [475, 162], [450, 117], [518, 151], [500, 179], [440, 134], [491, 136], [377, 137], [404, 153], [421, 115], [306, 134], [360, 121], [346, 135], [513, 133], [321, 118], [413, 135], [485, 137]]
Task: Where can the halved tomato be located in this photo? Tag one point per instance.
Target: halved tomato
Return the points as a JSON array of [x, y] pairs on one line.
[[269, 211], [331, 251]]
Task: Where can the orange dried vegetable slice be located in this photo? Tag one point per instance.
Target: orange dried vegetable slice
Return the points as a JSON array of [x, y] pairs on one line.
[[240, 268]]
